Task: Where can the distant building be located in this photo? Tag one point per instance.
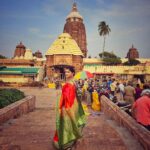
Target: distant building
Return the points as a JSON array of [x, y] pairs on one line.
[[75, 27], [24, 57], [38, 54], [28, 54], [20, 50], [21, 74], [132, 53], [16, 62], [141, 71]]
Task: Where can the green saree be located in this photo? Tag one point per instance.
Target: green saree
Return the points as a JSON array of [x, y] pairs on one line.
[[70, 118]]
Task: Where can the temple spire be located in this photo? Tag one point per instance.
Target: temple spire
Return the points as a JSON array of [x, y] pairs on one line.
[[75, 27], [74, 7]]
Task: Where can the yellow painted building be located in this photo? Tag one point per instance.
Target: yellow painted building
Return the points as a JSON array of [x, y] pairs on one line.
[[21, 75], [126, 72]]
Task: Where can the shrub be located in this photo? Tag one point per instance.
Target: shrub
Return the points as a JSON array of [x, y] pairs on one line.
[[132, 62], [8, 96]]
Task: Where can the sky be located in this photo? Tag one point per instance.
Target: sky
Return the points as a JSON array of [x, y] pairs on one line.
[[38, 23]]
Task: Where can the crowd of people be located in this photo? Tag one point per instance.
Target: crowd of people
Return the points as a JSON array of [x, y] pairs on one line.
[[131, 96]]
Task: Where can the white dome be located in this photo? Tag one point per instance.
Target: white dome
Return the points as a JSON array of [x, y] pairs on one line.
[[28, 54], [74, 13], [21, 57]]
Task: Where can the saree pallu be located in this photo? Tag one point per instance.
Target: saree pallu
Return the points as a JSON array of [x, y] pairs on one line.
[[70, 118]]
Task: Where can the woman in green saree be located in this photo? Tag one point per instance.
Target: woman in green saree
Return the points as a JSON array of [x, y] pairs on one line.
[[70, 116]]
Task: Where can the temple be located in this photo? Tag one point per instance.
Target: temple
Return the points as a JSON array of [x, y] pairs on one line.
[[64, 51], [75, 27], [20, 50]]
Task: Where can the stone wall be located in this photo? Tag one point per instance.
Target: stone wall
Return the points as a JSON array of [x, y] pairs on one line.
[[14, 78], [123, 119], [17, 109], [77, 30], [78, 63]]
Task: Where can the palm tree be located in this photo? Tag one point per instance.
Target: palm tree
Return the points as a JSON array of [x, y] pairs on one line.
[[104, 30]]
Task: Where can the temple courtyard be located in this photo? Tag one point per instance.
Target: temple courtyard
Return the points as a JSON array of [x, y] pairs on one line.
[[35, 130]]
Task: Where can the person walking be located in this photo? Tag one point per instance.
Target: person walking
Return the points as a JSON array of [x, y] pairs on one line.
[[129, 93], [70, 116]]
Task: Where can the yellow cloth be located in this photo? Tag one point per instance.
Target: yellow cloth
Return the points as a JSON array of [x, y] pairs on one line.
[[96, 102], [51, 85], [85, 108]]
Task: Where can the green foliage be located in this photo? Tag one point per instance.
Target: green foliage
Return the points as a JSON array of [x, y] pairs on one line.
[[107, 55], [103, 28], [111, 61], [131, 62], [110, 58], [2, 57], [8, 96]]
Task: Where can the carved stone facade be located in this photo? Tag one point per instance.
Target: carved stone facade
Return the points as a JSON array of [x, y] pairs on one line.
[[63, 52], [20, 50], [56, 63], [132, 53], [75, 27]]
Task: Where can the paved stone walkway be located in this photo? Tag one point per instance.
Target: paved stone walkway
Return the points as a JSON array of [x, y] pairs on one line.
[[35, 130]]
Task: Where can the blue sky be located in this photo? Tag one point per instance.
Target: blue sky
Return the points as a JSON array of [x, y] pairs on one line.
[[37, 23]]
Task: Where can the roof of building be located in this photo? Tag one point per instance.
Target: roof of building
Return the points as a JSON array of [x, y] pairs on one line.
[[92, 61], [16, 61], [32, 70], [20, 45], [134, 70], [142, 60], [74, 12], [64, 44], [132, 48]]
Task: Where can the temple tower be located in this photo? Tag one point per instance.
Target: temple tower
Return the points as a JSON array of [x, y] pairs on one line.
[[38, 54], [132, 53], [75, 27], [20, 50]]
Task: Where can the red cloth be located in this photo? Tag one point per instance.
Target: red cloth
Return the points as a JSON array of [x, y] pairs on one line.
[[55, 137], [68, 95], [142, 110]]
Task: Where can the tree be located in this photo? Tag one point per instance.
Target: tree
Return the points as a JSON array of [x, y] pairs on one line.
[[132, 62], [2, 57], [104, 30], [110, 58]]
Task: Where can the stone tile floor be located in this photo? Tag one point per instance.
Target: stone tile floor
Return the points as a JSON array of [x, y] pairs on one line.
[[35, 130]]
